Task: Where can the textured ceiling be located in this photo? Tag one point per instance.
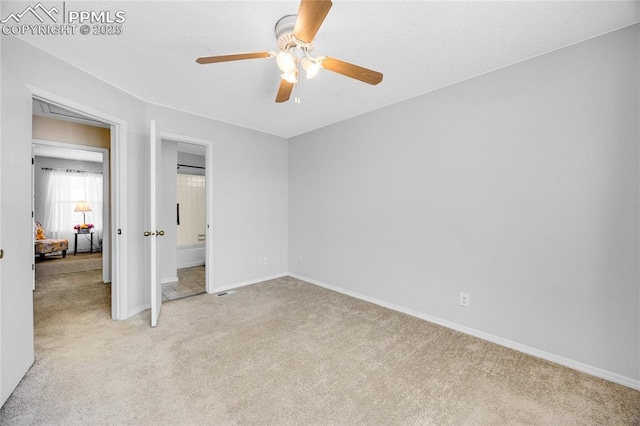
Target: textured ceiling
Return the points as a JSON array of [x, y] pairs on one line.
[[419, 46]]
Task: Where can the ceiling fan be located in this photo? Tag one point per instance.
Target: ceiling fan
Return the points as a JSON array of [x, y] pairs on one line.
[[295, 34]]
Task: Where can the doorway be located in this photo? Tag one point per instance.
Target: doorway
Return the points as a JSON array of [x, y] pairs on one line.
[[109, 245], [70, 209], [182, 211], [162, 211], [70, 195]]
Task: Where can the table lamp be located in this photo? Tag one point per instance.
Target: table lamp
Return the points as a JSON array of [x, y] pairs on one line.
[[83, 207]]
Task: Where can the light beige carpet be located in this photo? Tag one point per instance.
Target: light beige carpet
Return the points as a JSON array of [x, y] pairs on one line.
[[56, 264], [285, 352]]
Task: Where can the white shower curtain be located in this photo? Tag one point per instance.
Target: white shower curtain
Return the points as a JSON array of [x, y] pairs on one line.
[[64, 190]]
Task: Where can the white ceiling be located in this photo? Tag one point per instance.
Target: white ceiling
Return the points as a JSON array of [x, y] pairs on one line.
[[419, 46]]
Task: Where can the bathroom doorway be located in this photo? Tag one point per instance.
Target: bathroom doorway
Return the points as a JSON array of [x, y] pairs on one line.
[[183, 213]]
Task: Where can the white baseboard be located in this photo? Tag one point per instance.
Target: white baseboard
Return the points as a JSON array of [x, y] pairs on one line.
[[191, 264], [249, 282], [169, 280], [594, 371]]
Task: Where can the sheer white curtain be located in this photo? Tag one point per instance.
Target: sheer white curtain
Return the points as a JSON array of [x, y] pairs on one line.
[[64, 190]]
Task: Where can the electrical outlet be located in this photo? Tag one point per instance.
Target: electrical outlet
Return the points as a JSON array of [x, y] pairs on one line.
[[299, 259], [464, 299]]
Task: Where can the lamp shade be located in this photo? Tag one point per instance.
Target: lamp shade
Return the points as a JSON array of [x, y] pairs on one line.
[[82, 207]]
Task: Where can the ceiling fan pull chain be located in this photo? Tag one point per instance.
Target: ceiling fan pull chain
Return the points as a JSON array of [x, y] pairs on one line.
[[297, 98]]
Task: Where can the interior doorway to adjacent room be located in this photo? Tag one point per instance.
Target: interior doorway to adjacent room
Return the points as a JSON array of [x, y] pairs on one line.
[[183, 214], [70, 194]]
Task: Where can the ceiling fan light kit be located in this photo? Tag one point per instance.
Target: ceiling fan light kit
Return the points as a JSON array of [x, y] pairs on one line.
[[311, 66], [295, 35]]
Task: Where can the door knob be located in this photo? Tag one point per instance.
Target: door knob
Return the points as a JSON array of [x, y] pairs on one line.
[[147, 233], [159, 233]]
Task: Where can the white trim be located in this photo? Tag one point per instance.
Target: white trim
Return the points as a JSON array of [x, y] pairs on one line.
[[209, 238], [119, 283], [169, 280], [182, 138], [119, 299], [69, 145], [246, 283], [594, 371], [106, 209]]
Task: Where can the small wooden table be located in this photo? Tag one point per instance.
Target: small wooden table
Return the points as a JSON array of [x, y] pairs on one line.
[[75, 241]]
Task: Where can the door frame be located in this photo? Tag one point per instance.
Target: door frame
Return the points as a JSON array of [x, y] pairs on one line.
[[118, 174], [208, 182]]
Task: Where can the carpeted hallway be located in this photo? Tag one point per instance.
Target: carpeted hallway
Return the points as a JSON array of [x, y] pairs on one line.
[[285, 352]]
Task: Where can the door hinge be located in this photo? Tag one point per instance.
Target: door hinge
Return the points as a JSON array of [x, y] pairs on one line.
[[32, 213], [33, 266], [33, 161], [119, 231], [1, 253]]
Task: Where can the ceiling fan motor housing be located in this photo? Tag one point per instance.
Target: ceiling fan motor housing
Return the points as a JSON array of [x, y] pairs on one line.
[[284, 34]]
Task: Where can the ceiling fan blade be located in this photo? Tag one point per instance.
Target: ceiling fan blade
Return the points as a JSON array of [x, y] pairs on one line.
[[350, 70], [235, 57], [311, 14], [284, 91]]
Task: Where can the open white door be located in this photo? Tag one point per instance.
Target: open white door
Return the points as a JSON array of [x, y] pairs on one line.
[[16, 246], [153, 233]]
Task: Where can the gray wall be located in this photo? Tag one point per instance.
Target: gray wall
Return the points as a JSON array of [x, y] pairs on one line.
[[519, 187]]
